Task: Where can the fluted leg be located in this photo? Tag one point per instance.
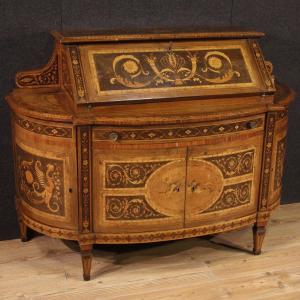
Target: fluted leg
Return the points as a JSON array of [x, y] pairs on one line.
[[86, 257], [258, 237]]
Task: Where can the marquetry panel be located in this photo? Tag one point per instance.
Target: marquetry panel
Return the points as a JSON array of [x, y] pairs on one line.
[[124, 71], [155, 69], [40, 182]]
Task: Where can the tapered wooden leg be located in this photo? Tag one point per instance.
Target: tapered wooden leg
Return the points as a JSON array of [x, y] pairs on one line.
[[86, 257], [23, 231], [259, 232]]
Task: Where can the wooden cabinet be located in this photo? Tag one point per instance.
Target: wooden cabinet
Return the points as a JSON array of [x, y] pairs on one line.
[[135, 138]]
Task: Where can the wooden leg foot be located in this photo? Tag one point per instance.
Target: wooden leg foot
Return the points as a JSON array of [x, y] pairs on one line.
[[258, 237], [23, 231], [86, 257]]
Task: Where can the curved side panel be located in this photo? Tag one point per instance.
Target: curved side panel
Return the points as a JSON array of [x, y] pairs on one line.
[[45, 171], [278, 157]]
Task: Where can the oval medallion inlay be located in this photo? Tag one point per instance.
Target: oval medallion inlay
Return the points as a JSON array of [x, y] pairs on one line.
[[166, 188]]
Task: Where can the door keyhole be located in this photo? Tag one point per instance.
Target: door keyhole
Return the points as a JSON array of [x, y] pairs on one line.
[[194, 186], [177, 189]]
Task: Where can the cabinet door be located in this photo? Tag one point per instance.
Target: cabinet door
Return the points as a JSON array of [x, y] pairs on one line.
[[138, 190], [222, 181]]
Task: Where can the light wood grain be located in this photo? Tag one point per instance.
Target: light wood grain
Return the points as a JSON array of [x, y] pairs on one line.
[[45, 268]]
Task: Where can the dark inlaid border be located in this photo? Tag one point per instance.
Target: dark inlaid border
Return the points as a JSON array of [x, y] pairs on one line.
[[267, 159], [85, 186], [175, 133], [77, 70], [281, 146], [43, 129]]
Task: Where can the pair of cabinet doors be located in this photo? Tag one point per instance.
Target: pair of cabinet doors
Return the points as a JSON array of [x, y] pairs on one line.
[[152, 187]]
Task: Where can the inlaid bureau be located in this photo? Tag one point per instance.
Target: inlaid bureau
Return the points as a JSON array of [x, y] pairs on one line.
[[137, 138]]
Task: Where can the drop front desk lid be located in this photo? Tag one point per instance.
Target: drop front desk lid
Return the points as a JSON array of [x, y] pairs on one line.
[[116, 67]]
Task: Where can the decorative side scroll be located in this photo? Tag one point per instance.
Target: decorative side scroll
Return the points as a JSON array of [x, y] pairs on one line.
[[45, 77]]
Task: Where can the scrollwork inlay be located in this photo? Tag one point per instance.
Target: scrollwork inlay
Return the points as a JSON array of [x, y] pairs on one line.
[[134, 70], [130, 175], [234, 164], [129, 208], [233, 195]]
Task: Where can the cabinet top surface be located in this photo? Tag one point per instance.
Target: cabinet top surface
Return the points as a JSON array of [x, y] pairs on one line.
[[154, 34], [52, 105]]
